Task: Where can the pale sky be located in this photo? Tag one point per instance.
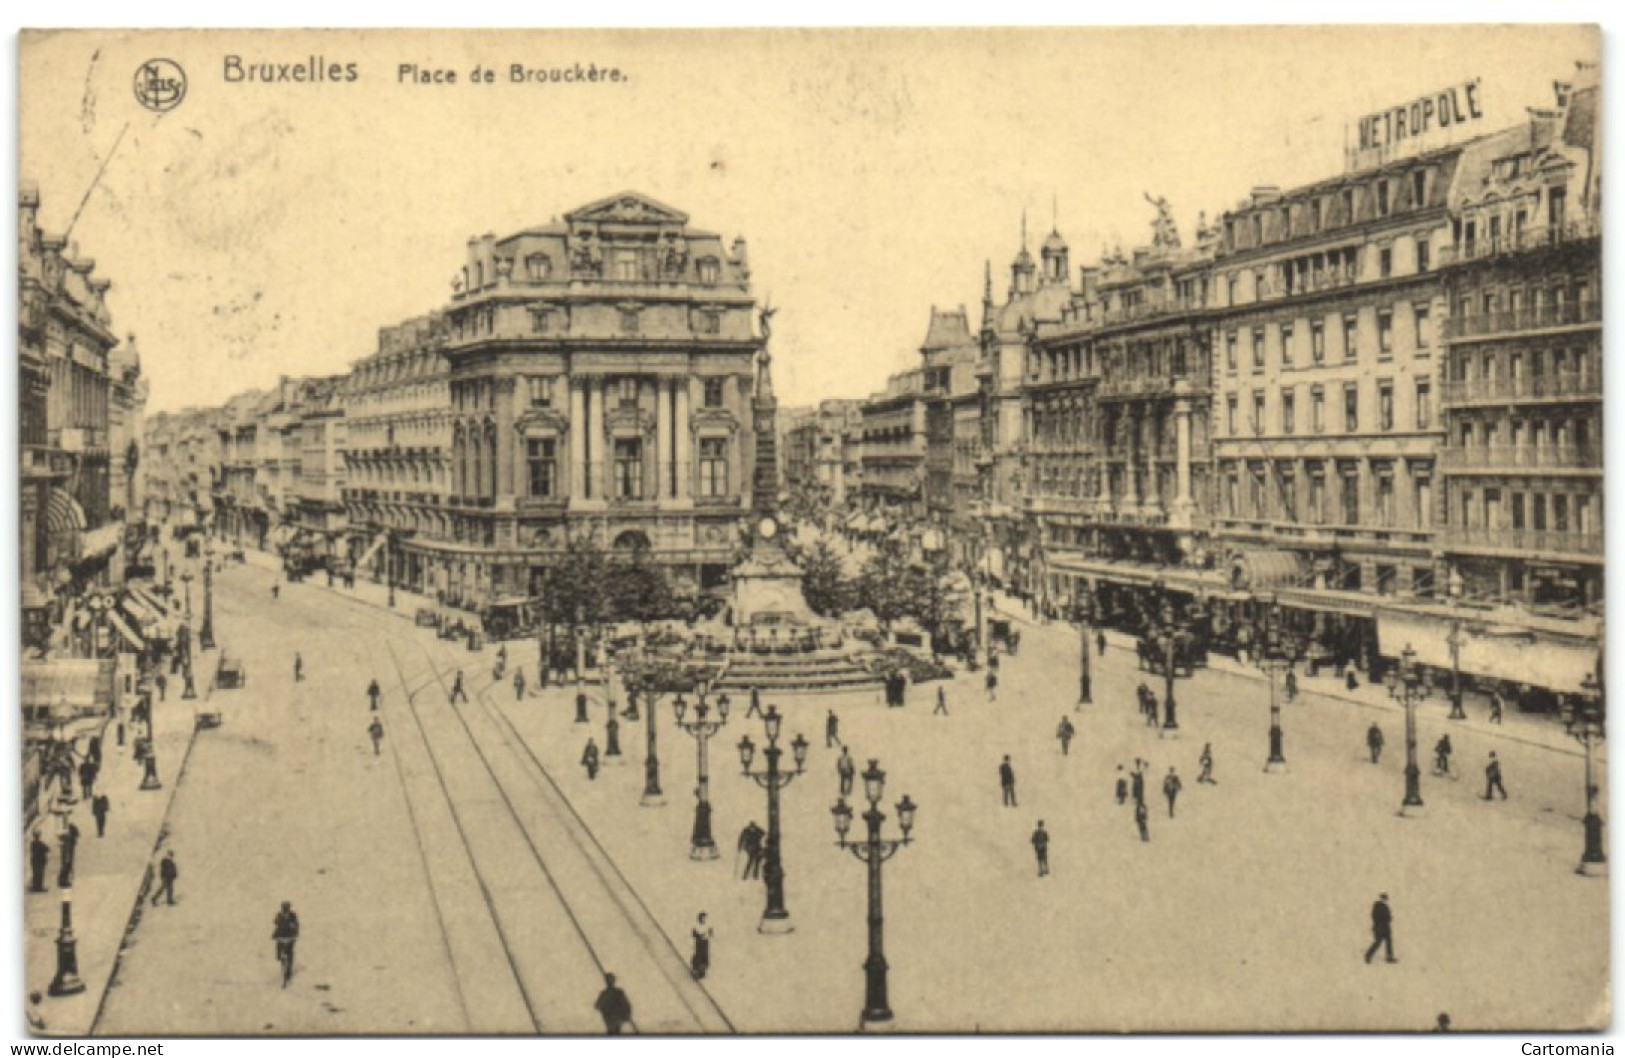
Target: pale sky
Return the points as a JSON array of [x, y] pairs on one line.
[[259, 230]]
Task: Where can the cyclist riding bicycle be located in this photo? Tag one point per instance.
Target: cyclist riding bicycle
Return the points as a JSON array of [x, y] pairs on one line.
[[285, 931]]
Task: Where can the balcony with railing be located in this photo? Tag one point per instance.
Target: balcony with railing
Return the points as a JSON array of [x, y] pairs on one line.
[[1525, 387], [1520, 241], [1533, 318], [1546, 543], [1515, 459]]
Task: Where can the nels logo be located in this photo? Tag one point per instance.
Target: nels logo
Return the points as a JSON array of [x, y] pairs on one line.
[[160, 85]]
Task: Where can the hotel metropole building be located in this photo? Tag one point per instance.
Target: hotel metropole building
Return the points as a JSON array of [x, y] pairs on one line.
[[600, 372]]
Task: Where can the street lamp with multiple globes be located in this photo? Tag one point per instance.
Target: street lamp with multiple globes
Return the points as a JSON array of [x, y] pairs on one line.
[[1585, 719], [1279, 653], [873, 850], [702, 846], [205, 635], [1407, 685], [776, 917]]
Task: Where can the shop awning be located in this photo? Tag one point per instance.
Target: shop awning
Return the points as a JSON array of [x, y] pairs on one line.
[[101, 540], [1344, 603], [282, 534], [84, 684], [1262, 570], [124, 630], [372, 549]]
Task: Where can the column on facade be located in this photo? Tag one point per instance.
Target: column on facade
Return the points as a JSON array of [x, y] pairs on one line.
[[1182, 453], [508, 462], [578, 440], [661, 484], [599, 455], [681, 395]]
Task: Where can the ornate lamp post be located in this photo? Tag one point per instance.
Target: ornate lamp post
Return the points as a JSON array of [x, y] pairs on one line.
[[1585, 720], [1456, 710], [702, 846], [205, 635], [1279, 653], [776, 917], [1406, 685], [1167, 630], [66, 982], [652, 797], [389, 566], [186, 579], [873, 850], [1085, 612]]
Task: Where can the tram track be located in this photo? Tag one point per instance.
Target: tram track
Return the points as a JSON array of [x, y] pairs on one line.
[[495, 787]]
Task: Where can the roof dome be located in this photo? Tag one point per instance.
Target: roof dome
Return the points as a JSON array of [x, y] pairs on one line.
[[1053, 243]]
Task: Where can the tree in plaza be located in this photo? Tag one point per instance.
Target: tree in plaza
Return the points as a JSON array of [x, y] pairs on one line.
[[883, 583], [636, 588], [572, 590], [824, 582]]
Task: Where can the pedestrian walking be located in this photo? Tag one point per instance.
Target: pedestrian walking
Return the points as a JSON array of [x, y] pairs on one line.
[[1291, 685], [1041, 848], [519, 685], [942, 703], [750, 843], [93, 751], [613, 1006], [1441, 756], [1122, 786], [701, 960], [1492, 778], [589, 758], [1171, 785], [1496, 705], [167, 873], [846, 769], [39, 858], [276, 591], [457, 689], [1206, 761], [1007, 782], [1382, 928], [1100, 643], [992, 683], [832, 726], [1142, 819], [298, 667], [376, 730], [163, 685], [70, 852], [581, 707], [87, 777], [1064, 733], [373, 692], [98, 809], [1373, 741], [756, 709], [1351, 681]]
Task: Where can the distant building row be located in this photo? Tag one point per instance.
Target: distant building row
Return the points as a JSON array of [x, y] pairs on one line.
[[1383, 388]]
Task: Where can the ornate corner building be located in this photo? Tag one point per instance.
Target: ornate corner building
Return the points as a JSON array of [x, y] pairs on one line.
[[597, 379]]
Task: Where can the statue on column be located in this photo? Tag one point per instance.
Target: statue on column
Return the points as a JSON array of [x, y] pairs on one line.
[[1164, 232]]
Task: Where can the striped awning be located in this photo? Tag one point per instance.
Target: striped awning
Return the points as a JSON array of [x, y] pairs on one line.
[[101, 540], [1264, 569], [125, 631]]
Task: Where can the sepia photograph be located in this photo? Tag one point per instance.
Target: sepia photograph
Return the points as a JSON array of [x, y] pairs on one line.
[[658, 532]]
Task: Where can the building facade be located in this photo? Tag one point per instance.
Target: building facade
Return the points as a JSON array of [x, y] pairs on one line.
[[600, 378], [1522, 463], [894, 447]]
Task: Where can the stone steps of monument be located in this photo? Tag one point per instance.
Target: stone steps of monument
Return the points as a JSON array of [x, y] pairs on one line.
[[799, 683]]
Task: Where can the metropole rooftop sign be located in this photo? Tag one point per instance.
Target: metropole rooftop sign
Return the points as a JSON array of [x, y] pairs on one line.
[[1408, 128]]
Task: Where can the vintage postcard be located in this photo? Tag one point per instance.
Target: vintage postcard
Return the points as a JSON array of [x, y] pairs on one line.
[[661, 532]]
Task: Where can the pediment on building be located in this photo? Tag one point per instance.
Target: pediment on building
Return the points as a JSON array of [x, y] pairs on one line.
[[629, 420], [542, 419], [628, 207], [713, 418]]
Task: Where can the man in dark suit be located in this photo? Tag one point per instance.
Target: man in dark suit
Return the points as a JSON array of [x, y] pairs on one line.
[[1492, 779], [1007, 782], [1041, 847], [1382, 928], [614, 1006]]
